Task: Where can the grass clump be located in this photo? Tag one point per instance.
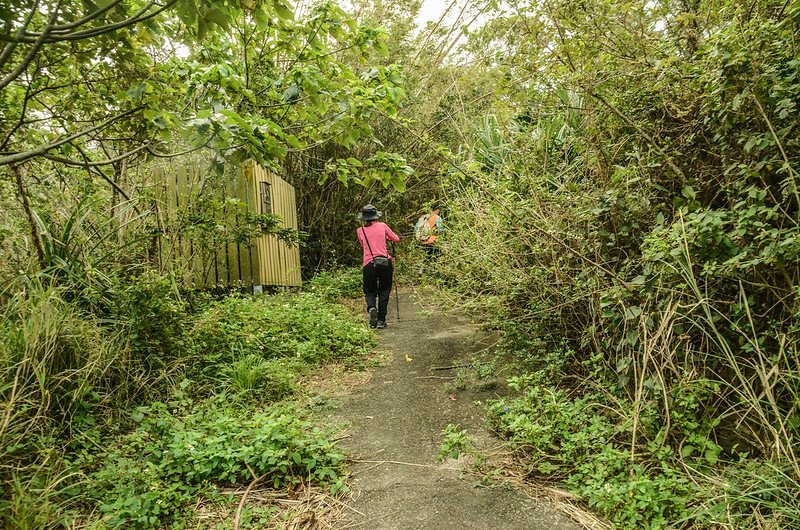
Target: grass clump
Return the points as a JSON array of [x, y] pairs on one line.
[[270, 379], [53, 355], [337, 285]]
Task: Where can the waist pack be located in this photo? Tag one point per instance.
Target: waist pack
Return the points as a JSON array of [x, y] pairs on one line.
[[380, 262]]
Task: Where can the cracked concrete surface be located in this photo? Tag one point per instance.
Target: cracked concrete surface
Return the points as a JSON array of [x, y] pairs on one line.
[[395, 421]]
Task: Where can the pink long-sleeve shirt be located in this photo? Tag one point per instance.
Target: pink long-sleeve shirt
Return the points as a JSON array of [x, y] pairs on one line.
[[377, 233]]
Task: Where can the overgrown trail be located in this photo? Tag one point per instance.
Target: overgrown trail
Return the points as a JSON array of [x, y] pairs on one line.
[[395, 422]]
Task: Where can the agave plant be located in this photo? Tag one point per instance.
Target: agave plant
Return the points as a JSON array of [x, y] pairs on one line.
[[79, 257], [490, 147]]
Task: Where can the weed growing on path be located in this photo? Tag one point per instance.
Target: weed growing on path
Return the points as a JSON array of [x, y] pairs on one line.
[[456, 442]]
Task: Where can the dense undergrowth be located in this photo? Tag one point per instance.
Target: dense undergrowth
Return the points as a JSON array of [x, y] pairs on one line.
[[127, 419], [629, 220], [586, 442]]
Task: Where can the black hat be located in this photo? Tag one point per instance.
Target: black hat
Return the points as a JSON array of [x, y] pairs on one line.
[[369, 213]]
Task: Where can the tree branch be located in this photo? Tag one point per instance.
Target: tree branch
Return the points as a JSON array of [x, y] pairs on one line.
[[9, 47], [103, 176], [88, 18], [33, 51], [158, 154], [649, 139], [97, 163], [21, 120], [39, 151], [34, 226], [140, 16]]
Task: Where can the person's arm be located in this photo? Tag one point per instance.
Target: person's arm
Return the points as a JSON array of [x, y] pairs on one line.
[[391, 236]]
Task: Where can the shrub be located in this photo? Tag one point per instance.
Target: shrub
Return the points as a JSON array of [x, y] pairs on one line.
[[578, 440], [152, 315], [46, 499]]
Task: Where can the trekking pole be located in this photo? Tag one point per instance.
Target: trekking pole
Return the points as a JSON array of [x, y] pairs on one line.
[[394, 272]]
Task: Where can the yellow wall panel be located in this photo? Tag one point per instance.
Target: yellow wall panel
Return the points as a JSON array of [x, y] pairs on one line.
[[266, 261]]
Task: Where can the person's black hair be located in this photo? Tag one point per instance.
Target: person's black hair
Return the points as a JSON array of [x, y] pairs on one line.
[[434, 206]]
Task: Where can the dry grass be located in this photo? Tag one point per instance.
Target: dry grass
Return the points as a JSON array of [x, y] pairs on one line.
[[301, 508], [563, 501], [336, 379], [502, 465]]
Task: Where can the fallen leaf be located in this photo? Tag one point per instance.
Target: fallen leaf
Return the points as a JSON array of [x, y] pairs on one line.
[[409, 359]]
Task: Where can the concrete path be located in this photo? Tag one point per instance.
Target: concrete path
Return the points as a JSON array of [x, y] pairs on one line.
[[395, 422]]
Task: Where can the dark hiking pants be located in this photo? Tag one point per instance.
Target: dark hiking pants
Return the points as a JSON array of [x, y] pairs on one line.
[[378, 287]]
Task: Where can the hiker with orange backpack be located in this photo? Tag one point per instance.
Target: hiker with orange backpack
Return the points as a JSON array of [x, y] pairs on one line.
[[377, 265], [427, 228]]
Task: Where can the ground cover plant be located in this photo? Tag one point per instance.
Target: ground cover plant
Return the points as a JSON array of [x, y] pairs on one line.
[[337, 285], [273, 339], [126, 423], [584, 443], [154, 475]]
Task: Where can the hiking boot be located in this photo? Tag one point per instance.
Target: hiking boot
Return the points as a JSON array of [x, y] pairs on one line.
[[381, 324], [373, 317]]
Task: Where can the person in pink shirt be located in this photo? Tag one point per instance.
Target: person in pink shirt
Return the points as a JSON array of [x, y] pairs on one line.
[[378, 268]]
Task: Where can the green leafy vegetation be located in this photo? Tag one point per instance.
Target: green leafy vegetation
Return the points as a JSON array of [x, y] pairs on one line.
[[585, 443], [337, 285], [455, 442], [289, 333], [153, 474], [626, 217], [620, 199], [134, 418], [577, 440]]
